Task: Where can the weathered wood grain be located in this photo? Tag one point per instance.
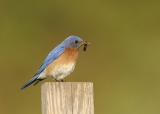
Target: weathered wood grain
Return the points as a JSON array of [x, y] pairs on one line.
[[67, 98]]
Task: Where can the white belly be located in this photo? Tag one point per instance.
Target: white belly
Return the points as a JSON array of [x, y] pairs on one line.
[[61, 71]]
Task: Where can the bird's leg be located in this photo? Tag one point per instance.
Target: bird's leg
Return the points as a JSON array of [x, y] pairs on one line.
[[62, 80]]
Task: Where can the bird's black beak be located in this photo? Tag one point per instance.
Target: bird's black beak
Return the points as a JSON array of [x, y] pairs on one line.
[[85, 43]]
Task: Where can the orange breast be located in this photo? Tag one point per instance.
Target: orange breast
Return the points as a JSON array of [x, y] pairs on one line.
[[69, 56]]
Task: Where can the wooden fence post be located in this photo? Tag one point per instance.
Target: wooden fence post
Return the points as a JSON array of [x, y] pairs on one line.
[[67, 98]]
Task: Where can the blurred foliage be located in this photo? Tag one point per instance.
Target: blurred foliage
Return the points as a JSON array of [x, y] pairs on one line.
[[123, 60]]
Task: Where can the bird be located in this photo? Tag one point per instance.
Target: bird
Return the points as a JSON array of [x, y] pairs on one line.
[[60, 62]]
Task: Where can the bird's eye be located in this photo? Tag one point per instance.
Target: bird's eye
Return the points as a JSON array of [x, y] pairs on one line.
[[76, 41]]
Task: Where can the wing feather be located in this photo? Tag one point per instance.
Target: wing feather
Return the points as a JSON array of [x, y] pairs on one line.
[[54, 54]]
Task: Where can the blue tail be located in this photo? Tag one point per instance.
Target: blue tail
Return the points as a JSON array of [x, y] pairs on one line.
[[31, 81]]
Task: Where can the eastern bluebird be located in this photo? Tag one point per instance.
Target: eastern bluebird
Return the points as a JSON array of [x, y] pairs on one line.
[[60, 62]]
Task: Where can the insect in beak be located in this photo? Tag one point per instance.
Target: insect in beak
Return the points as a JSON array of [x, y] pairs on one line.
[[86, 44]]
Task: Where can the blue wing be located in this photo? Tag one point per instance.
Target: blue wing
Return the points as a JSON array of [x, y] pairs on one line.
[[54, 54]]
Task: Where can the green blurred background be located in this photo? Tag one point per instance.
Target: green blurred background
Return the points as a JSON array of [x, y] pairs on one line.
[[123, 60]]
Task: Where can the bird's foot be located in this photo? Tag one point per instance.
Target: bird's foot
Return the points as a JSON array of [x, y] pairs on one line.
[[62, 80]]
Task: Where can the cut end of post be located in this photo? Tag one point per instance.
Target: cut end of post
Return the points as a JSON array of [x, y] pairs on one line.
[[67, 98]]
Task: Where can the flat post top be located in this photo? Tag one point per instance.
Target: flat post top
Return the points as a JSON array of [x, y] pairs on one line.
[[67, 98]]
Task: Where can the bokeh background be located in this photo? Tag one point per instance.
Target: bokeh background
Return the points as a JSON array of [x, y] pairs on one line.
[[123, 60]]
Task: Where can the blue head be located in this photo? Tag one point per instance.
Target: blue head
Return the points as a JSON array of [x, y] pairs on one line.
[[73, 42]]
